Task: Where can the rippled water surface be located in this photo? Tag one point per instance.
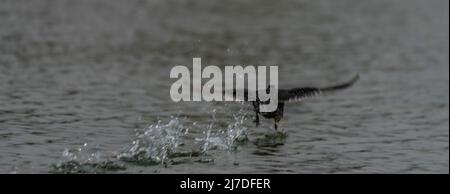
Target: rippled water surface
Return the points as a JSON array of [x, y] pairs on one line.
[[84, 86]]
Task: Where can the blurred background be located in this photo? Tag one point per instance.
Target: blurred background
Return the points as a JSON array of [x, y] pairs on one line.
[[84, 86]]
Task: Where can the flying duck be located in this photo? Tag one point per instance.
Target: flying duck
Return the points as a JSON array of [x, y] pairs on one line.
[[294, 94]]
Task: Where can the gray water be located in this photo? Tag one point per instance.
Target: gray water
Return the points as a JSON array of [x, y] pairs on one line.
[[84, 86]]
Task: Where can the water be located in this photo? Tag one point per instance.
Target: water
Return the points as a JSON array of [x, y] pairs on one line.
[[84, 86]]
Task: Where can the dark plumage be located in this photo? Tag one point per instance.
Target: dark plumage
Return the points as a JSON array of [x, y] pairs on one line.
[[295, 94]]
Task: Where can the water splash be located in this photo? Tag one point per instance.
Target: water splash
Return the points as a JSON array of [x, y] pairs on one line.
[[160, 144], [156, 143], [83, 154], [85, 159], [226, 139]]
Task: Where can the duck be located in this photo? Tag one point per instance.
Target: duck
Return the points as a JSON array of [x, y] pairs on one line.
[[292, 95]]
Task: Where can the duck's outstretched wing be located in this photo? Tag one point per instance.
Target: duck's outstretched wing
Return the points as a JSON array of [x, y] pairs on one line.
[[300, 94]]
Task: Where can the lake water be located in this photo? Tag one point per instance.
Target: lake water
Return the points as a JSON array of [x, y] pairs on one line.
[[84, 86]]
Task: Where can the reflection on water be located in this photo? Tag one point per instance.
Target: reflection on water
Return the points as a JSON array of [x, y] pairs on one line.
[[271, 140], [84, 86]]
